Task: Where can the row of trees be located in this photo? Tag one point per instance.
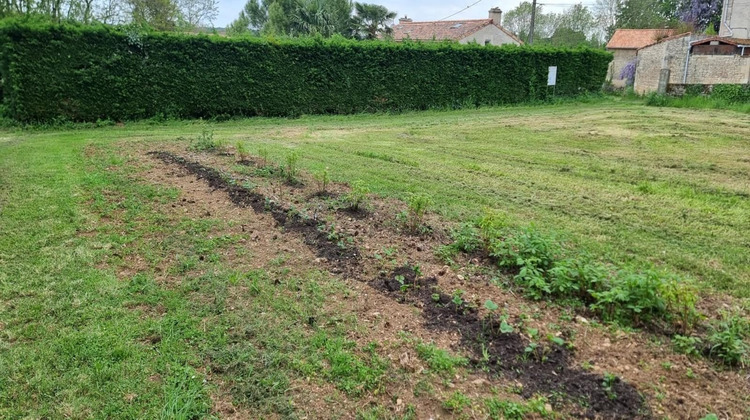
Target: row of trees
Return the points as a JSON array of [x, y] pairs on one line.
[[313, 17], [164, 15], [581, 25]]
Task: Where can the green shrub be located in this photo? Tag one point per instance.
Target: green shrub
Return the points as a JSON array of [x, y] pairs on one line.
[[205, 142], [543, 270], [727, 340], [87, 73], [687, 345], [413, 219], [631, 297], [577, 277], [467, 238], [356, 199], [241, 151], [323, 178], [531, 253], [291, 169], [731, 94]]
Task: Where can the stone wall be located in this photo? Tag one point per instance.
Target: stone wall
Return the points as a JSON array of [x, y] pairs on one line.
[[717, 69], [490, 33], [701, 69], [621, 58]]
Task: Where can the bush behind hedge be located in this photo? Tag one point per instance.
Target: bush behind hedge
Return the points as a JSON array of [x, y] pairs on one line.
[[85, 73]]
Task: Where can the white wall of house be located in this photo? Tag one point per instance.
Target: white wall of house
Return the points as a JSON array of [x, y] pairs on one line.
[[735, 19], [490, 33]]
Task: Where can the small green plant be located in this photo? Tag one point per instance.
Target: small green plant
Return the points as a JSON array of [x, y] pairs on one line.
[[241, 151], [727, 340], [505, 327], [323, 178], [439, 360], [435, 297], [556, 340], [506, 410], [204, 142], [687, 345], [490, 305], [608, 384], [457, 298], [456, 402], [404, 287], [413, 219], [291, 169], [264, 157], [690, 374], [356, 199]]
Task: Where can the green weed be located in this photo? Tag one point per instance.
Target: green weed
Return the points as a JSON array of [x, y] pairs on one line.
[[456, 403], [356, 199], [439, 360]]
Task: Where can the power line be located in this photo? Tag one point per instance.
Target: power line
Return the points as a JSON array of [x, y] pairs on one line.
[[462, 10], [566, 4]]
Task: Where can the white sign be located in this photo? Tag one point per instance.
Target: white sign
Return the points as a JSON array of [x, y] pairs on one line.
[[552, 76]]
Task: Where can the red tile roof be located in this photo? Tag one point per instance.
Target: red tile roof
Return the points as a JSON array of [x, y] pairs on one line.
[[633, 39], [454, 30], [730, 41]]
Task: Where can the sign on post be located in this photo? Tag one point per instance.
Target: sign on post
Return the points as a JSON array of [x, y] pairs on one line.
[[552, 76]]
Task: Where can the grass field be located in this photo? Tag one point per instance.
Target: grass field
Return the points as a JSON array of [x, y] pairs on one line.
[[85, 333], [633, 184]]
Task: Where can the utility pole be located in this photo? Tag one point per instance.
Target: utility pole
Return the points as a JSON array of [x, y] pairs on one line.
[[533, 18]]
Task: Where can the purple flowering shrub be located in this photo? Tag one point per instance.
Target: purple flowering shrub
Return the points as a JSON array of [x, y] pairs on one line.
[[628, 72], [701, 13]]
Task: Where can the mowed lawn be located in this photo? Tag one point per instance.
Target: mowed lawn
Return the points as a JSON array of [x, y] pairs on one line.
[[629, 183], [84, 334]]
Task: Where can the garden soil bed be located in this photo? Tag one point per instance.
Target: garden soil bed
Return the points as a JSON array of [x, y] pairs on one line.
[[551, 370]]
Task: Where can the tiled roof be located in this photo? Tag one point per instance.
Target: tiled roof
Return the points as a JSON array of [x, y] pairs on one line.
[[637, 38], [730, 41], [454, 30]]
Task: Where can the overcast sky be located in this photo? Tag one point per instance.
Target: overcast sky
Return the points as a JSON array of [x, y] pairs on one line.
[[416, 9]]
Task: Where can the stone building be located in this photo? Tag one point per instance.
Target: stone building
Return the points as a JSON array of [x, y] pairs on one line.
[[625, 44], [735, 19], [482, 31], [697, 59], [692, 59]]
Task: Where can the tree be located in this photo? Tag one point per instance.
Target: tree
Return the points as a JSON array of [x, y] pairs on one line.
[[643, 14], [518, 21], [371, 20], [264, 16], [195, 13], [161, 15], [702, 14], [605, 13]]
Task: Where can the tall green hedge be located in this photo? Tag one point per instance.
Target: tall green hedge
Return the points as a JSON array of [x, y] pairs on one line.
[[88, 73]]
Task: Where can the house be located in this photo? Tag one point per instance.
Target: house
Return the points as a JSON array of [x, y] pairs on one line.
[[482, 31], [677, 62], [625, 44], [735, 19], [692, 59]]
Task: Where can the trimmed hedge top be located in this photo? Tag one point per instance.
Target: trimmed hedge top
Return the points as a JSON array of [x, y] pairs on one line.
[[89, 73]]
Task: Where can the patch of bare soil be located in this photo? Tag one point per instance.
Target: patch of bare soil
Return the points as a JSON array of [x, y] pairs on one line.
[[650, 380]]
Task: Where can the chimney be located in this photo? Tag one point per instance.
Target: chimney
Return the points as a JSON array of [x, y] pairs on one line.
[[405, 19], [496, 15]]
